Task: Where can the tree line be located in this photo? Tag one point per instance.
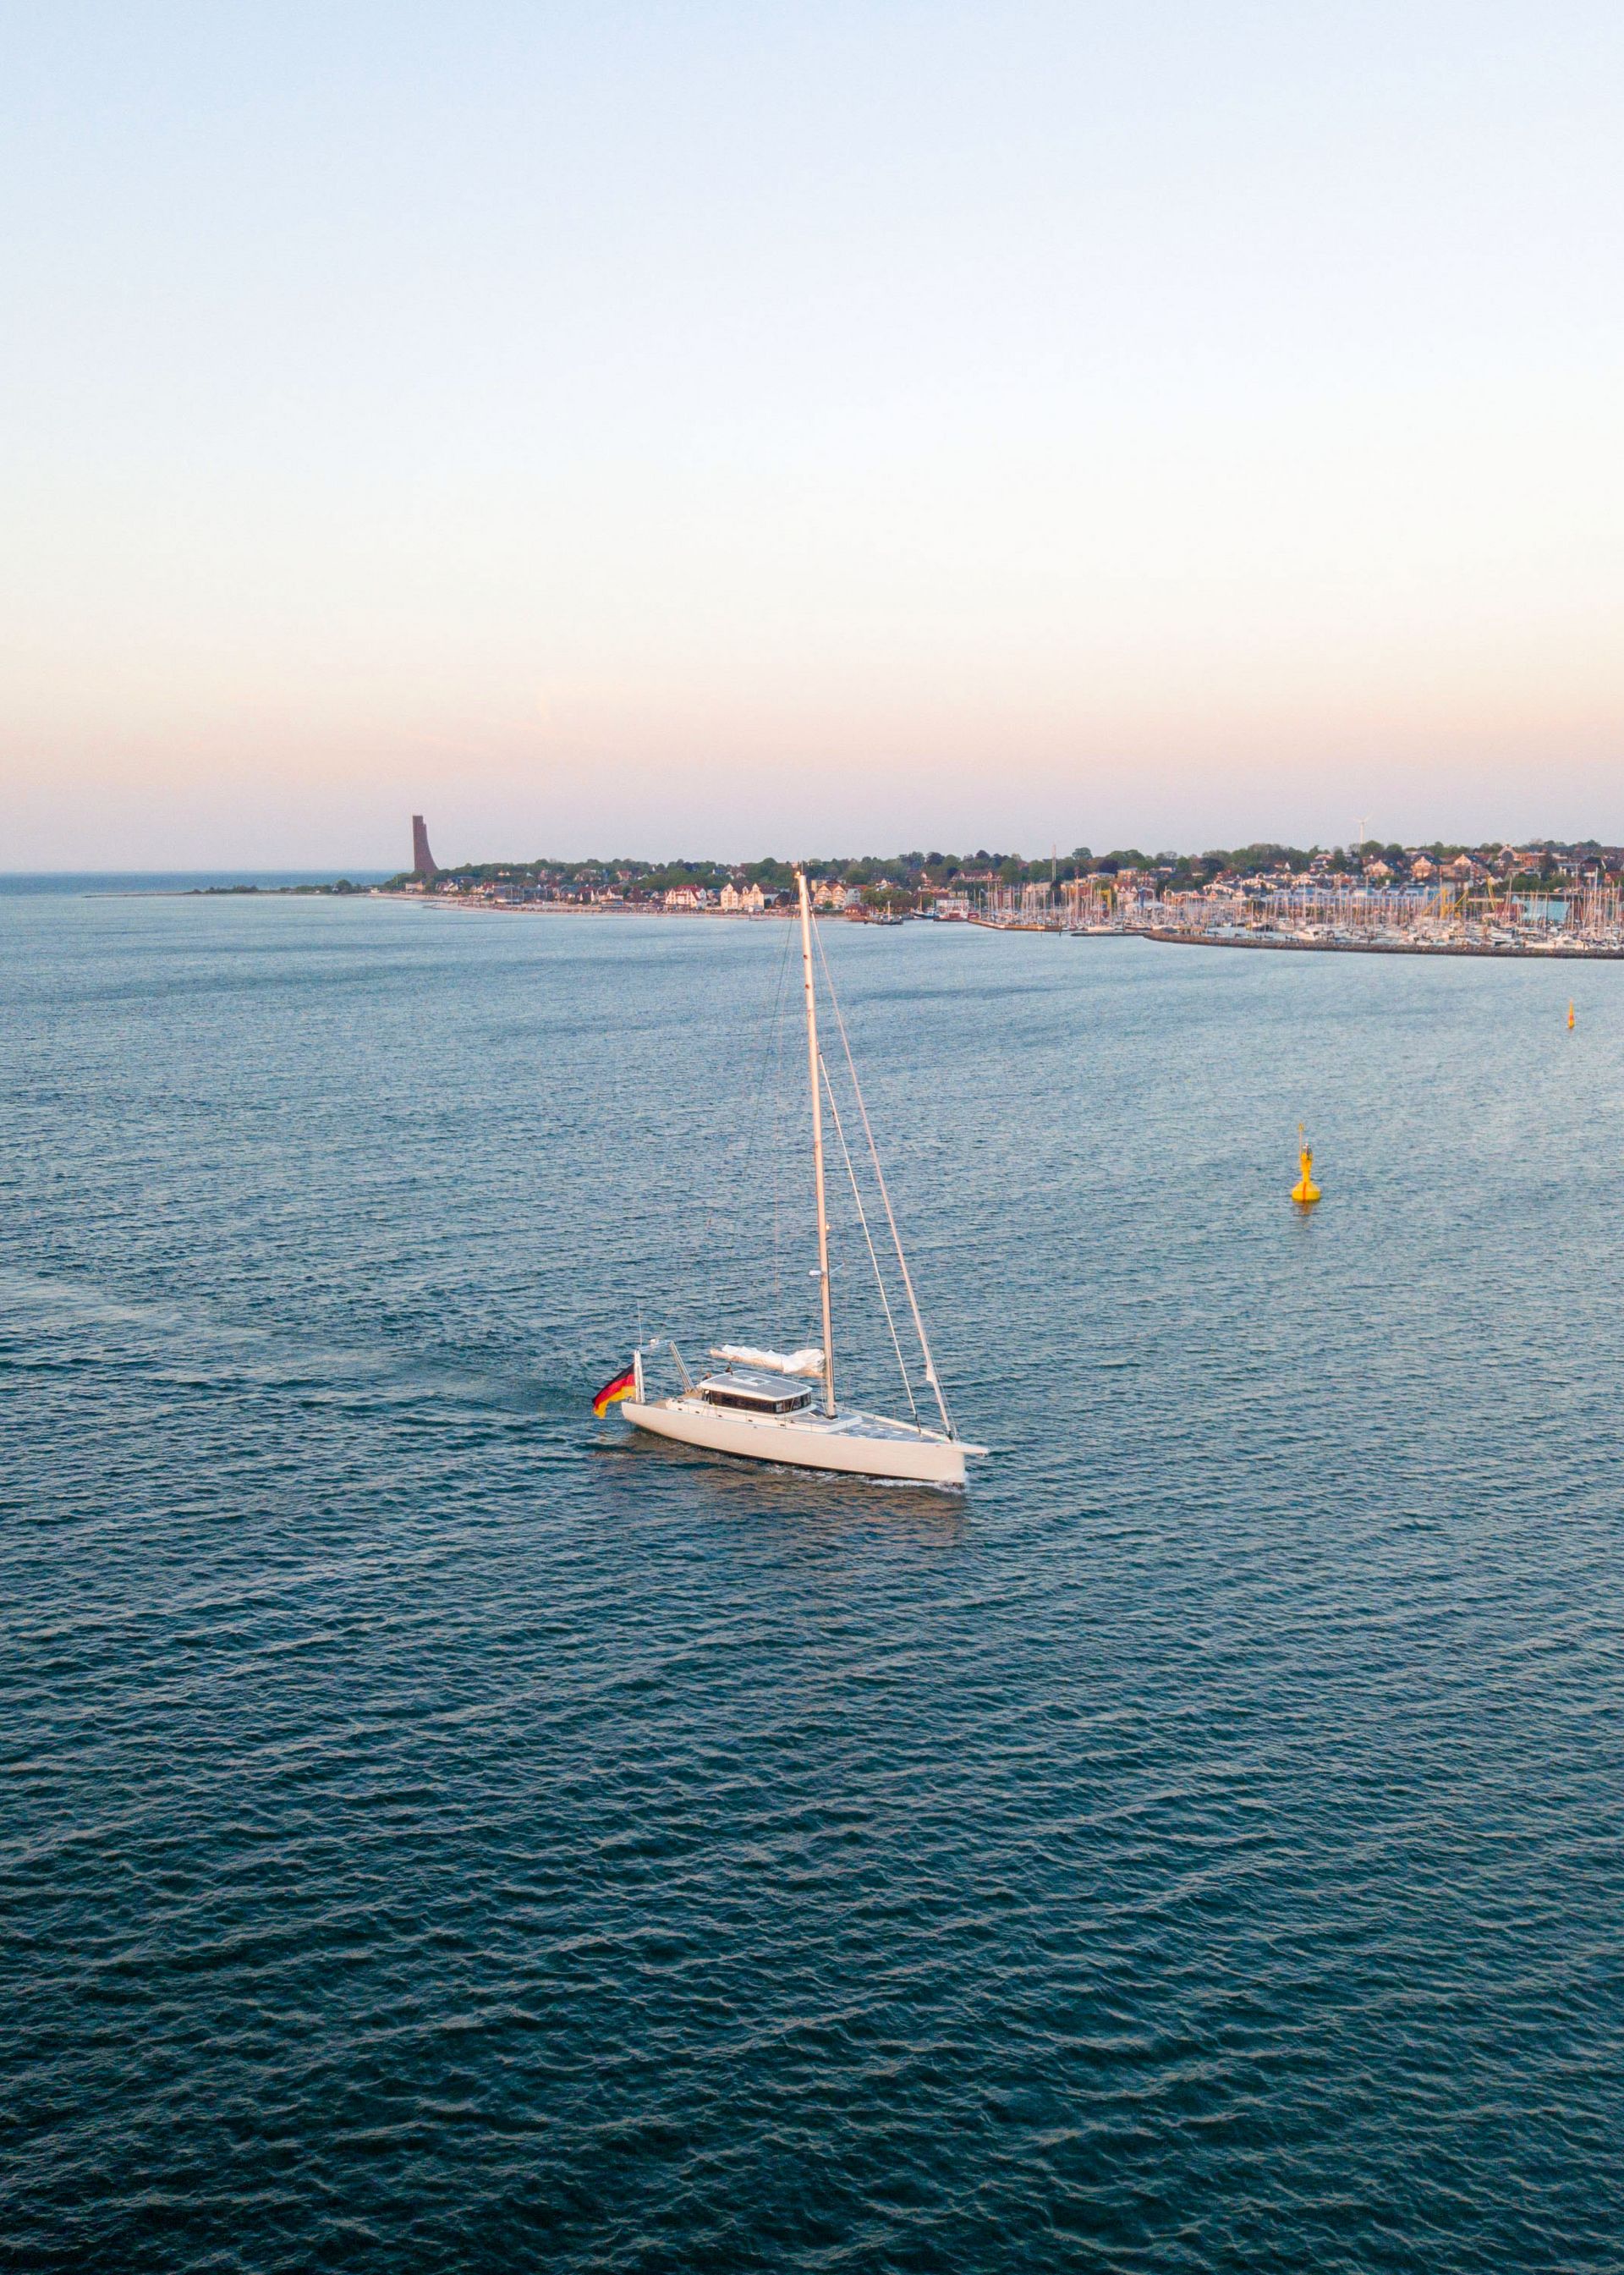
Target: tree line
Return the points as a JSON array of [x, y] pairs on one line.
[[1545, 862]]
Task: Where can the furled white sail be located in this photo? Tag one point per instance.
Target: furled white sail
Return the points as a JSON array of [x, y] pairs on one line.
[[801, 1361]]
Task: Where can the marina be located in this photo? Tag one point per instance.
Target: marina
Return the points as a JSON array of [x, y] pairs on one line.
[[1443, 919], [1544, 900]]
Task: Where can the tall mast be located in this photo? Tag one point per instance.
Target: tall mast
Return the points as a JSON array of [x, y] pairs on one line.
[[813, 1066]]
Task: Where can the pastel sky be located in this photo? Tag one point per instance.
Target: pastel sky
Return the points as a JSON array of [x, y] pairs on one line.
[[717, 428]]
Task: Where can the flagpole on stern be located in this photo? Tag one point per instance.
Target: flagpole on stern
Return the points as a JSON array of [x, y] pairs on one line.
[[813, 1065]]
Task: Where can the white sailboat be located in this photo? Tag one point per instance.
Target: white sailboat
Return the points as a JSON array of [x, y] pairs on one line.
[[762, 1405]]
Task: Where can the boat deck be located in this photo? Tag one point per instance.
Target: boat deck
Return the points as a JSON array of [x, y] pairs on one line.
[[848, 1424]]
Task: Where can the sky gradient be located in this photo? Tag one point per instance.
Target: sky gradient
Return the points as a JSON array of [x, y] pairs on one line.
[[679, 429]]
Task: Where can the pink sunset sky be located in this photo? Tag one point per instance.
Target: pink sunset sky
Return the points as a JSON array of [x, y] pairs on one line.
[[721, 429]]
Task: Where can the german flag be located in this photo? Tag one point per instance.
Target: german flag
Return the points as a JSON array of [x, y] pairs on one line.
[[622, 1386]]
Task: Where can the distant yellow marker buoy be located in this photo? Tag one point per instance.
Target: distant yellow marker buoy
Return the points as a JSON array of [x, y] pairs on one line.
[[1305, 1192], [1570, 1018]]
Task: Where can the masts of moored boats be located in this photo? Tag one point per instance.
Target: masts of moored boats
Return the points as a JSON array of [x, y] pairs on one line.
[[814, 1070]]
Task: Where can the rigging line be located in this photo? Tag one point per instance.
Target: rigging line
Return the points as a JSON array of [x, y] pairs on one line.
[[641, 1266], [873, 1152], [885, 1303], [727, 1187], [766, 1072], [775, 1101], [775, 1141]]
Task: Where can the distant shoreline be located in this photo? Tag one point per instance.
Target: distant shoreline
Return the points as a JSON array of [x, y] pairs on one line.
[[1165, 935], [458, 905]]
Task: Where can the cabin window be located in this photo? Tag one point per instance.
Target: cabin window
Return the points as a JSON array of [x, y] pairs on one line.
[[757, 1402]]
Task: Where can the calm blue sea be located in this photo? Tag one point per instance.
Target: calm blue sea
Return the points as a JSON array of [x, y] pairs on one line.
[[441, 1833], [79, 885]]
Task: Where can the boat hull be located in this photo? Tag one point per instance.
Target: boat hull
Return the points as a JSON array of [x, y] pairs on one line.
[[812, 1443]]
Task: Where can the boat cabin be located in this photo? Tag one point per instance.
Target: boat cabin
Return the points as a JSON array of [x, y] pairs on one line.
[[753, 1393]]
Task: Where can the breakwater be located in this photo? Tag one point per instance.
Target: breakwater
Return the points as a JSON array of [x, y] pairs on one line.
[[1574, 951]]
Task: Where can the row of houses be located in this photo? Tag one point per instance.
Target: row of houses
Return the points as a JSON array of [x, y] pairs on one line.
[[749, 900], [732, 900]]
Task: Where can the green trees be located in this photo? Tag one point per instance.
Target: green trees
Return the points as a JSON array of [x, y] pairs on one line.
[[916, 871]]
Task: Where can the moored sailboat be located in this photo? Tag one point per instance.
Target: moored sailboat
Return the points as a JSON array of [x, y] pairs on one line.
[[763, 1405]]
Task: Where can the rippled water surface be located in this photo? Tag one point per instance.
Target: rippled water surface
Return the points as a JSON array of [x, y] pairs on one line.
[[440, 1832]]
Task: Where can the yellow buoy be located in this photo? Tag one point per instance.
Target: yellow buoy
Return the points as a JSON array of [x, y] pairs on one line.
[[1305, 1192], [1570, 1016]]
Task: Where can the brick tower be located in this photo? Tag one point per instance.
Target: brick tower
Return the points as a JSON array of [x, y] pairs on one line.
[[423, 861]]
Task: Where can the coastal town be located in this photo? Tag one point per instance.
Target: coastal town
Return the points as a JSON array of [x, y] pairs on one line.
[[1545, 897]]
